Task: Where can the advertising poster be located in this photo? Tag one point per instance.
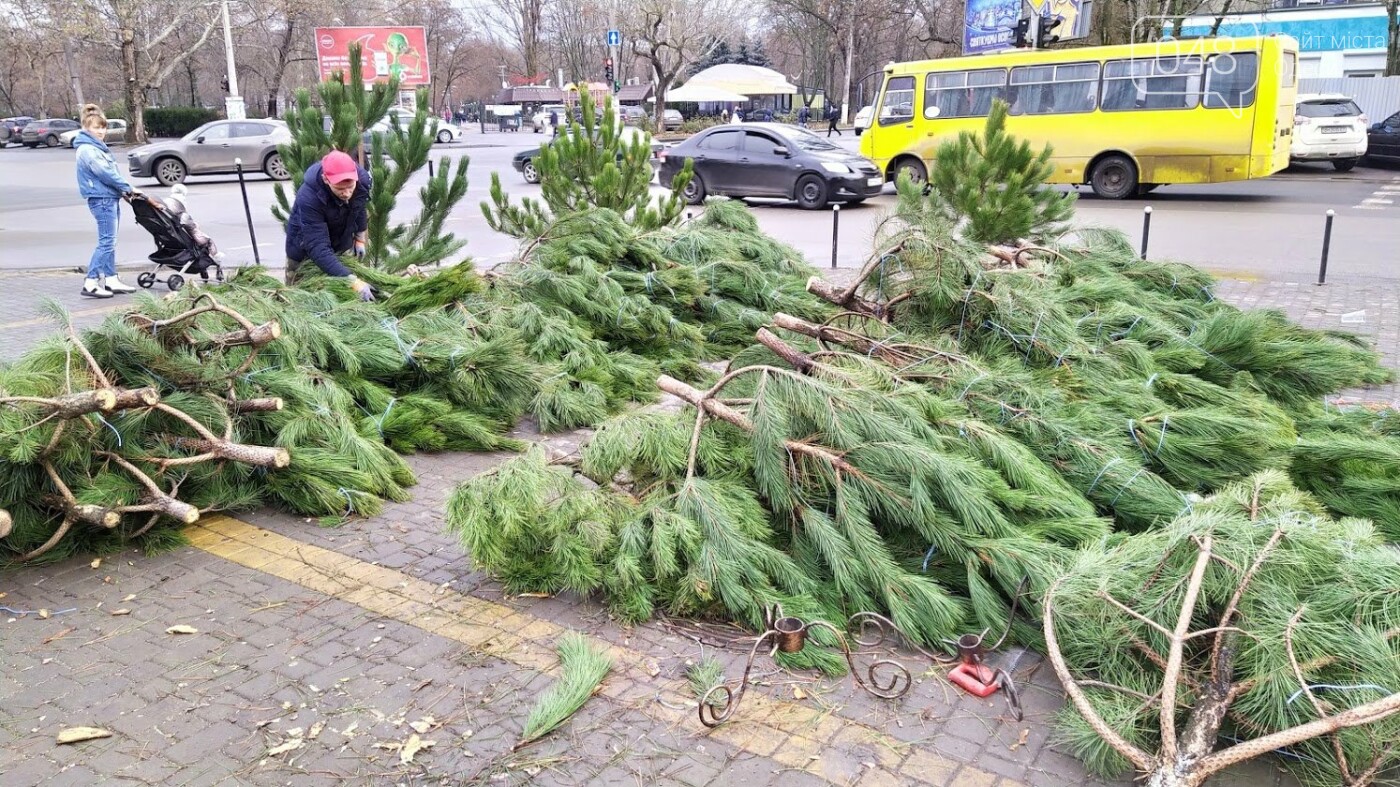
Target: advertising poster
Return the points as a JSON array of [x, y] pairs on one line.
[[388, 52], [1067, 10], [990, 25]]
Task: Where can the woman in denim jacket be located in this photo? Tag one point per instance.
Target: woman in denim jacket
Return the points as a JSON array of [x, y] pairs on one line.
[[102, 185]]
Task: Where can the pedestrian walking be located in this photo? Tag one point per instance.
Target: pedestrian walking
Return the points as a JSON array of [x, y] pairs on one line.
[[803, 115], [724, 115], [102, 185], [554, 122], [330, 217], [832, 115]]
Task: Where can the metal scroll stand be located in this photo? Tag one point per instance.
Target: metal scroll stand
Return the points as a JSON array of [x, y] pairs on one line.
[[885, 678]]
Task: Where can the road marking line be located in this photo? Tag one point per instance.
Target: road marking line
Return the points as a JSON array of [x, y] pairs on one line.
[[784, 731], [1377, 201]]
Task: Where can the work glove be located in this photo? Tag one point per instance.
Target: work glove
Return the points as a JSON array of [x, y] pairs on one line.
[[362, 288], [359, 249]]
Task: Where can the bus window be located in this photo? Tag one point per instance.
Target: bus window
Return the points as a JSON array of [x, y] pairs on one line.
[[1230, 80], [897, 106], [1288, 73], [1045, 90], [963, 94], [1163, 83]]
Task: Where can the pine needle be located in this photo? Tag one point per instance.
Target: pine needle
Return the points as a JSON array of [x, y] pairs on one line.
[[705, 675], [583, 667]]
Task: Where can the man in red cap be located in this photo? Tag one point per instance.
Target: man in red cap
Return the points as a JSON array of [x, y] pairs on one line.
[[330, 217]]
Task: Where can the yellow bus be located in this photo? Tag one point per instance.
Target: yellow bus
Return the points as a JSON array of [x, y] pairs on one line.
[[1122, 119]]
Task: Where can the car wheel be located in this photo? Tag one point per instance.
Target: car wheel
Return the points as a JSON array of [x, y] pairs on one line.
[[811, 193], [274, 167], [1114, 177], [913, 168], [444, 136], [694, 191], [531, 174], [170, 171], [1344, 164], [51, 140]]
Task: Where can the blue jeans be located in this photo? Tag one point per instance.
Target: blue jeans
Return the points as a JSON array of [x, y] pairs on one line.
[[104, 258]]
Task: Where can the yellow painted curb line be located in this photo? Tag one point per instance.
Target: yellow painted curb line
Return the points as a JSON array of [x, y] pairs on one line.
[[787, 732]]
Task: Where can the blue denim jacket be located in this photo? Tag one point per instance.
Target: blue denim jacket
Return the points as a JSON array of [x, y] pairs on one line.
[[98, 175]]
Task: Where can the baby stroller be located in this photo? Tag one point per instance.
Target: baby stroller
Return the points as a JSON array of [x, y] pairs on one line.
[[176, 248]]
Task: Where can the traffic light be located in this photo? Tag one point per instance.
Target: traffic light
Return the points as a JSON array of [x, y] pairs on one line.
[[608, 70], [1047, 26], [1023, 33]]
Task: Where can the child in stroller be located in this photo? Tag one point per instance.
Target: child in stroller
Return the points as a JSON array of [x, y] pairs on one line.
[[179, 242]]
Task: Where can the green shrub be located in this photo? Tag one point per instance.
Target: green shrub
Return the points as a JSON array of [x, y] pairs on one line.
[[176, 121]]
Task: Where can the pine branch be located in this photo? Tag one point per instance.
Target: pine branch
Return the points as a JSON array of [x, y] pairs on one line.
[[582, 668]]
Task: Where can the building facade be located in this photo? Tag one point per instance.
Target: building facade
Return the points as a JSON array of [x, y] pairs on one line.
[[1334, 39]]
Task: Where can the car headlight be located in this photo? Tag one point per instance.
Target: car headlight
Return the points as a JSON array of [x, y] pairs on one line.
[[837, 167]]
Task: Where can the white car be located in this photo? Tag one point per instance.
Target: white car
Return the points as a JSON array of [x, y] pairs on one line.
[[862, 121], [440, 131], [540, 120], [116, 132], [1328, 127]]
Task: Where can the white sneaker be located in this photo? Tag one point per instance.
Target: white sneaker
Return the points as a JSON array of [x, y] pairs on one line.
[[117, 286], [93, 288]]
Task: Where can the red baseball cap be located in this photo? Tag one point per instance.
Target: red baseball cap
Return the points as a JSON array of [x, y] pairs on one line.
[[339, 167]]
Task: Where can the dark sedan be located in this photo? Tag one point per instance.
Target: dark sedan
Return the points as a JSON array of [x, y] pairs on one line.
[[1383, 140], [46, 132], [772, 160], [524, 161], [12, 128]]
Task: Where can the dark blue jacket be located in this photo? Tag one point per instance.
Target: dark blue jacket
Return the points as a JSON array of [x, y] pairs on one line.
[[321, 226]]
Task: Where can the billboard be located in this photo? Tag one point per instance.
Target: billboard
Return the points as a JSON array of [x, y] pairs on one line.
[[990, 25], [388, 51], [1074, 15]]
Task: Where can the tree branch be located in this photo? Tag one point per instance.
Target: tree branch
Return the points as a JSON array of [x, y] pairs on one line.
[[1172, 676]]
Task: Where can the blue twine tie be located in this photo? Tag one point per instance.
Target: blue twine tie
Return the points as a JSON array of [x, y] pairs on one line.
[[933, 550], [113, 428], [1115, 460], [1114, 501], [1163, 436], [1295, 695]]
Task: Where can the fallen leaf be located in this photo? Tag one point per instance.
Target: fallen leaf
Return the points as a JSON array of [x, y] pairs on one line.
[[96, 563], [262, 724], [798, 693], [653, 668], [291, 745], [423, 725], [43, 614], [123, 611], [1021, 741], [182, 630], [350, 729], [315, 730], [412, 746], [131, 597], [77, 734]]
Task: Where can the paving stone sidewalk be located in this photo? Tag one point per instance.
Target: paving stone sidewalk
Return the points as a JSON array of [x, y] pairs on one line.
[[323, 653]]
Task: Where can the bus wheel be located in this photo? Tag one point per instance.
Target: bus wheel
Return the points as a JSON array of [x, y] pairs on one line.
[[1114, 177], [913, 168]]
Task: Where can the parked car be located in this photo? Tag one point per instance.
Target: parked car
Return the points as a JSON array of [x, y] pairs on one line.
[[672, 119], [524, 161], [539, 122], [116, 132], [631, 115], [1328, 127], [772, 160], [1383, 140], [12, 128], [760, 115], [440, 131], [862, 121], [46, 132], [211, 150]]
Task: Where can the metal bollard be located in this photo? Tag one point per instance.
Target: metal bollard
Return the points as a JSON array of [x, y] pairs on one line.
[[1146, 228], [247, 211], [430, 169], [835, 232], [1326, 247]]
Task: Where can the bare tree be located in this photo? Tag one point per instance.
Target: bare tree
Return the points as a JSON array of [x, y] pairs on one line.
[[520, 23], [574, 36], [668, 35]]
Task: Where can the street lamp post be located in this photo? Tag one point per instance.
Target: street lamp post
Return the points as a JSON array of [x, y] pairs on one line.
[[233, 102]]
